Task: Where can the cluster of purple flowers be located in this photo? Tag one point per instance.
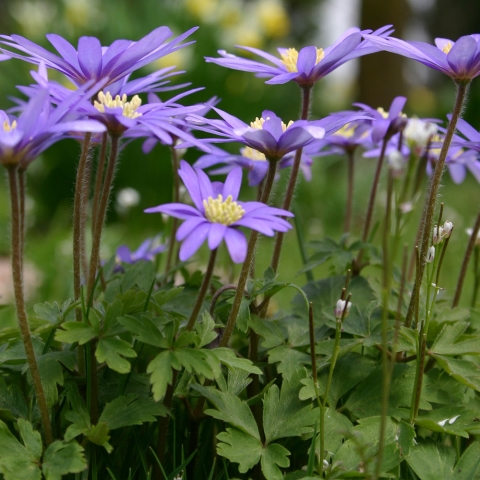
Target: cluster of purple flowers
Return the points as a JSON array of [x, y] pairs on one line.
[[105, 100]]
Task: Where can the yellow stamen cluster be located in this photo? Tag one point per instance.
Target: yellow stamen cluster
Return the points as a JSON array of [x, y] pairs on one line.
[[346, 131], [128, 108], [290, 58], [258, 123], [253, 154], [8, 127], [222, 211], [385, 114], [447, 47]]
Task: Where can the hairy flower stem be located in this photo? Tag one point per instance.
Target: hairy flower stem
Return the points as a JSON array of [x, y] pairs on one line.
[[417, 392], [466, 260], [95, 262], [357, 263], [17, 277], [252, 242], [176, 199], [203, 291], [22, 195], [350, 177], [287, 200], [430, 201], [97, 191], [79, 207]]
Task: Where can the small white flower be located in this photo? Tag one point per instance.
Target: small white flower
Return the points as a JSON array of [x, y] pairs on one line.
[[437, 235], [406, 207], [419, 132], [127, 198], [447, 229], [430, 255], [396, 162], [340, 307]]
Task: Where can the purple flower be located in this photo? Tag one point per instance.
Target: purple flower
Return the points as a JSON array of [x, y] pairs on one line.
[[267, 135], [459, 60], [40, 125], [217, 214], [386, 124], [308, 65], [145, 252], [91, 61]]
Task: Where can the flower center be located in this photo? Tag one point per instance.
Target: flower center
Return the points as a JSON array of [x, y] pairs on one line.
[[222, 211], [447, 47], [290, 58], [253, 154], [257, 124], [346, 131], [8, 127], [128, 108]]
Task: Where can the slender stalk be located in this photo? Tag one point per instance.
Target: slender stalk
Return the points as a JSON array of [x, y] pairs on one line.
[[476, 252], [417, 392], [357, 263], [350, 178], [176, 199], [430, 202], [287, 200], [242, 281], [22, 195], [466, 259], [99, 222], [99, 174], [203, 291], [17, 277], [94, 263], [301, 241]]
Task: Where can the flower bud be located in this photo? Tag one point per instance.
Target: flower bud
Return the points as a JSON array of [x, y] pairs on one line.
[[437, 235], [340, 307], [447, 229], [430, 255]]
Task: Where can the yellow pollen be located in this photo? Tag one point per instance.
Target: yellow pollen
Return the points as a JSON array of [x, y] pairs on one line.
[[128, 108], [346, 131], [222, 211], [447, 47], [252, 154], [290, 58], [8, 127], [385, 114], [257, 124]]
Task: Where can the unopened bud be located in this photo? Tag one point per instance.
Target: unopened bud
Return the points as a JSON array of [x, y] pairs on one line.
[[340, 307], [437, 235], [447, 229], [430, 255]]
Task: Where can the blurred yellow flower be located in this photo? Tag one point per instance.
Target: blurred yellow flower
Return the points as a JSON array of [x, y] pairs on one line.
[[273, 18]]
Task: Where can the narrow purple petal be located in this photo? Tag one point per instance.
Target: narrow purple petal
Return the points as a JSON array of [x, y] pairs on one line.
[[462, 55], [194, 241], [177, 210], [233, 183], [236, 244], [205, 185], [216, 235], [307, 58], [190, 179], [65, 49], [124, 254], [396, 107], [188, 226], [90, 57]]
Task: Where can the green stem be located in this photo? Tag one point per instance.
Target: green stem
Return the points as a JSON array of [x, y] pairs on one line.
[[466, 259], [476, 272], [97, 191], [203, 291], [431, 199], [357, 263], [22, 194], [301, 242], [242, 281], [17, 277], [287, 200]]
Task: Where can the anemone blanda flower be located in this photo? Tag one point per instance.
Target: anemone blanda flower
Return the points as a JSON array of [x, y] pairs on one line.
[[217, 214], [386, 124], [268, 134], [459, 60], [256, 162], [308, 65], [145, 252], [91, 61], [40, 125]]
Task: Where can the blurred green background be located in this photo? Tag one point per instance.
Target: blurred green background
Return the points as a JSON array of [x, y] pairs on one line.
[[265, 24]]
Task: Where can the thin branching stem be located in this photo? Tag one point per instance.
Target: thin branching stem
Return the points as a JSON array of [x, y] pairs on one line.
[[17, 277]]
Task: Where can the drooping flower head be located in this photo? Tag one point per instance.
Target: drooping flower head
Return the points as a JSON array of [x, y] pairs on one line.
[[267, 134], [308, 65], [91, 61], [217, 214], [459, 60]]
